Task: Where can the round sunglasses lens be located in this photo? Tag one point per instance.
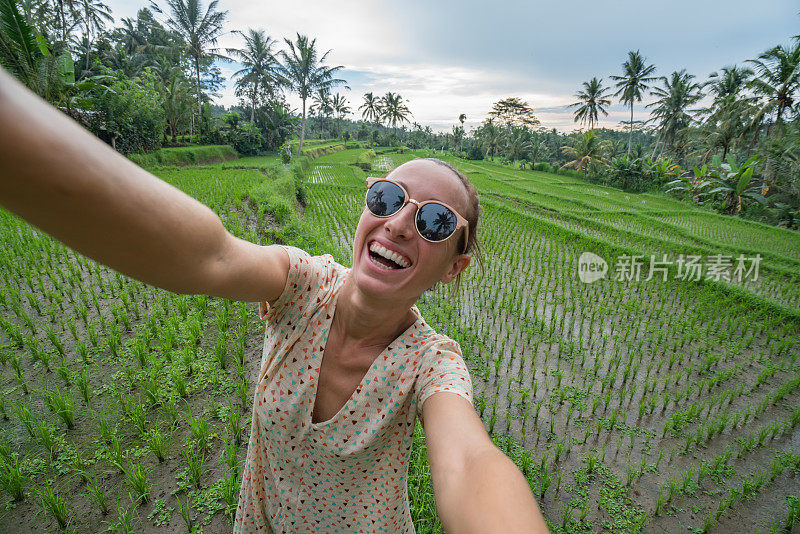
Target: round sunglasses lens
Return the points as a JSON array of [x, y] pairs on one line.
[[385, 198], [435, 222]]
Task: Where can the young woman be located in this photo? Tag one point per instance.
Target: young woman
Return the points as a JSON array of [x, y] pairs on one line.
[[348, 361]]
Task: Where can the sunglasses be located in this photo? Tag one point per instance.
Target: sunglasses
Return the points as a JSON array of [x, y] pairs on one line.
[[435, 221]]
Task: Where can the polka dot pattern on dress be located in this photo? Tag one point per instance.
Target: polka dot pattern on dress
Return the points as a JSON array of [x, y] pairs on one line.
[[347, 474]]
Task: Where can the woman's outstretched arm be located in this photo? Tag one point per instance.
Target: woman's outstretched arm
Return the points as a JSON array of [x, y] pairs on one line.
[[62, 179], [477, 488]]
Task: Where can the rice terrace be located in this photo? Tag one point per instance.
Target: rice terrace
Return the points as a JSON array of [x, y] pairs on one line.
[[632, 332]]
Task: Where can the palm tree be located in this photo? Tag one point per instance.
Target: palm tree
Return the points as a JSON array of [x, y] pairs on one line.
[[394, 109], [199, 30], [729, 82], [461, 119], [778, 78], [304, 71], [260, 67], [95, 16], [518, 145], [490, 137], [632, 83], [587, 150], [591, 101], [674, 97], [321, 105], [371, 108], [339, 107]]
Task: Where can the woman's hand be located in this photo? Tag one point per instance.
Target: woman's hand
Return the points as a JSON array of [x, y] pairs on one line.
[[64, 180]]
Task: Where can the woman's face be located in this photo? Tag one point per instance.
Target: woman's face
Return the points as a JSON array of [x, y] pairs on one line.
[[427, 262]]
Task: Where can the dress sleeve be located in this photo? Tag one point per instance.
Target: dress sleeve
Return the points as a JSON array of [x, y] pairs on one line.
[[442, 369], [308, 279]]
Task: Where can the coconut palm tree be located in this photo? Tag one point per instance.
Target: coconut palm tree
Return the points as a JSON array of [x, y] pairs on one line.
[[590, 102], [260, 67], [778, 78], [303, 70], [394, 109], [199, 30], [370, 108], [588, 149], [670, 110], [633, 82], [518, 144], [95, 16], [340, 108], [490, 137], [730, 81], [461, 119]]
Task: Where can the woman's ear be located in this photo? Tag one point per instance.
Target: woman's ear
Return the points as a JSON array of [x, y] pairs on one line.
[[458, 264]]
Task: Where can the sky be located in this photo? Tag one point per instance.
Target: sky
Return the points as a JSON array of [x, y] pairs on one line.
[[450, 57]]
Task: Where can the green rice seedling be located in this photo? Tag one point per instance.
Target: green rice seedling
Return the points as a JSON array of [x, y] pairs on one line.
[[136, 476], [62, 405], [91, 331], [96, 486], [141, 351], [152, 390], [241, 392], [566, 517], [116, 456], [82, 380], [139, 416], [3, 408], [200, 430], [659, 503], [38, 353], [158, 443], [233, 422], [187, 512], [83, 352], [221, 350], [195, 456], [125, 516], [188, 355], [55, 504], [544, 482], [170, 409], [12, 479], [25, 417], [55, 340], [230, 492], [14, 361], [13, 332], [105, 427], [180, 383], [231, 453], [46, 435], [592, 463], [64, 373]]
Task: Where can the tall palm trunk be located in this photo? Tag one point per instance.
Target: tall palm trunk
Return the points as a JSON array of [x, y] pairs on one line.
[[199, 99], [303, 129], [630, 130]]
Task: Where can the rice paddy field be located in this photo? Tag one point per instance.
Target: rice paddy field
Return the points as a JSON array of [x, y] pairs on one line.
[[660, 403]]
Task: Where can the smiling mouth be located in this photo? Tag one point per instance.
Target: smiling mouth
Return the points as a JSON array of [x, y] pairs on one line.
[[385, 258]]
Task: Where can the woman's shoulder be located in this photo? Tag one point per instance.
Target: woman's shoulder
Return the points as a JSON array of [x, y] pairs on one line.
[[310, 280]]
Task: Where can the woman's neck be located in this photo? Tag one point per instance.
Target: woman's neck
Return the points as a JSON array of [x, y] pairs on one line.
[[368, 321]]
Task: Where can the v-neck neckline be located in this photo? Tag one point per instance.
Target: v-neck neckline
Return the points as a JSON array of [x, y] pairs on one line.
[[367, 376]]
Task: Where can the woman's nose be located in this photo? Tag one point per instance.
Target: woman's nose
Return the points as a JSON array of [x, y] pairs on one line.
[[401, 224]]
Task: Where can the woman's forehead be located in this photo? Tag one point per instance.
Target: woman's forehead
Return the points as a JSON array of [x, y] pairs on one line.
[[435, 181]]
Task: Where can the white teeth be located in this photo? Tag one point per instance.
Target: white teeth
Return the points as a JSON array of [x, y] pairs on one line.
[[388, 254]]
